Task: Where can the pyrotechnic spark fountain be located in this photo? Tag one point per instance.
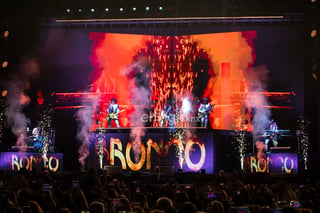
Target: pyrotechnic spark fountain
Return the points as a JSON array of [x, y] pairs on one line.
[[179, 150], [303, 139], [47, 130], [239, 136], [177, 137], [100, 147]]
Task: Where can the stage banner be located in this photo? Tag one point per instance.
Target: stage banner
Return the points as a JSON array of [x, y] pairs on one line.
[[190, 152], [273, 163], [14, 161]]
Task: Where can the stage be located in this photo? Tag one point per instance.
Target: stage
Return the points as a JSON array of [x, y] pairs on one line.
[[193, 150]]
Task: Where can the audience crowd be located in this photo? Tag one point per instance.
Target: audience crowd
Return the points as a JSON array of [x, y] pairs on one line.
[[100, 192]]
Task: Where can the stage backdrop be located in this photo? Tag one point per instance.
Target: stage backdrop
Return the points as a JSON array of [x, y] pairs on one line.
[[238, 71]]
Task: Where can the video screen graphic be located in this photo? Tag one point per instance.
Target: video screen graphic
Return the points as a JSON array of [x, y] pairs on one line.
[[190, 154], [186, 68], [142, 73]]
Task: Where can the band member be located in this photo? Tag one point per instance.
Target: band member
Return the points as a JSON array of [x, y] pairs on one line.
[[204, 111], [272, 140], [113, 111], [169, 113], [37, 139], [273, 126]]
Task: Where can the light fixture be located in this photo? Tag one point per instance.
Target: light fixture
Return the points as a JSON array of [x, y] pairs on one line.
[[4, 93], [68, 10], [313, 33], [6, 34], [92, 10], [314, 75], [107, 9], [80, 10], [134, 8], [4, 64], [147, 8], [160, 8], [121, 9]]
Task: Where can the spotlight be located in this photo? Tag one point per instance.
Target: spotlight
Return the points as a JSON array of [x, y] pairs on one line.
[[313, 33], [92, 10], [4, 93], [121, 9], [6, 34], [186, 106], [80, 10], [314, 75], [4, 64], [107, 9], [160, 8], [147, 8], [68, 10], [134, 9]]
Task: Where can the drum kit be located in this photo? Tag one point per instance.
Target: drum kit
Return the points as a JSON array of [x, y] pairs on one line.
[[36, 141]]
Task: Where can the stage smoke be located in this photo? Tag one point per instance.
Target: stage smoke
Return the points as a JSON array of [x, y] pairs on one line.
[[256, 100], [257, 78], [261, 148], [17, 98], [85, 118], [139, 74]]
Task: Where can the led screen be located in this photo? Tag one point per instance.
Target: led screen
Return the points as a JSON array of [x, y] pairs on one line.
[[244, 75], [142, 72], [190, 154]]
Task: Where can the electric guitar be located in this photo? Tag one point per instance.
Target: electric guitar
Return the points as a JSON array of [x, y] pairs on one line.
[[112, 115], [202, 114], [164, 117]]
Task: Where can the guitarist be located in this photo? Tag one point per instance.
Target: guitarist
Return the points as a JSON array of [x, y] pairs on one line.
[[204, 110], [169, 113], [113, 111]]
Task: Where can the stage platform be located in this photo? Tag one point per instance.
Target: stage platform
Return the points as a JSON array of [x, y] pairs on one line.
[[190, 149], [32, 161]]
